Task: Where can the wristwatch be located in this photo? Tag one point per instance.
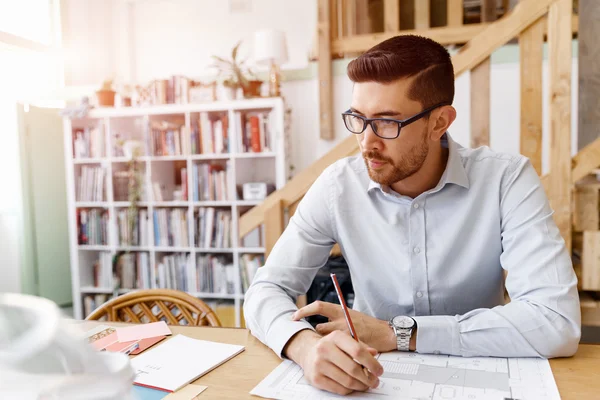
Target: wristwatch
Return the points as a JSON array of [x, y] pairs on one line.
[[403, 327]]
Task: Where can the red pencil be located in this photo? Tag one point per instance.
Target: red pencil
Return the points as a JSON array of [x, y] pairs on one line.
[[338, 290]]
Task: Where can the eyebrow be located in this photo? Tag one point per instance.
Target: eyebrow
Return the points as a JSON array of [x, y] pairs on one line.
[[390, 113]]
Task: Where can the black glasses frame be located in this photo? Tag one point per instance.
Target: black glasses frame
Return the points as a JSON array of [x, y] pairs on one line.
[[401, 122]]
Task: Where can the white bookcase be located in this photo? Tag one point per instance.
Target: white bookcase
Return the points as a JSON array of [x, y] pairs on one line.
[[130, 123]]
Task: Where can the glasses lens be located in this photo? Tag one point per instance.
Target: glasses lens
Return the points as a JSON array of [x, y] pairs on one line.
[[354, 123], [386, 129]]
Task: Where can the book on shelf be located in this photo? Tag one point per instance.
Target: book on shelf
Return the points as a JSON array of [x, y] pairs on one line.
[[171, 272], [90, 183], [170, 227], [89, 142], [132, 270], [213, 133], [212, 182], [91, 302], [168, 139], [214, 274], [213, 228], [103, 271], [136, 235], [92, 227], [255, 132], [249, 264]]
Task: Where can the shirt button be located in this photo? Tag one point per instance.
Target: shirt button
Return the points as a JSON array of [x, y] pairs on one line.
[[416, 205], [417, 250], [419, 294]]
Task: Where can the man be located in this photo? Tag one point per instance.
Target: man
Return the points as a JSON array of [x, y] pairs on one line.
[[427, 228]]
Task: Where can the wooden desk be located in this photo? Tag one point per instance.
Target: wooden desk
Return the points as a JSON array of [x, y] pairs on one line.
[[577, 377]]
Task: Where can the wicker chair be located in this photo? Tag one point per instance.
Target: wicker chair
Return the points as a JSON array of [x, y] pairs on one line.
[[153, 305]]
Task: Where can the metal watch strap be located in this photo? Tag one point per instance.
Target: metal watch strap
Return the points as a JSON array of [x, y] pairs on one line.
[[403, 339]]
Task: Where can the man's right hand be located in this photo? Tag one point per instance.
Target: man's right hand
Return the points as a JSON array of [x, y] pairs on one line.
[[329, 361]]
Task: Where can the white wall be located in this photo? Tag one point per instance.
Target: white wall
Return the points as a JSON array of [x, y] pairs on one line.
[[143, 40], [138, 41]]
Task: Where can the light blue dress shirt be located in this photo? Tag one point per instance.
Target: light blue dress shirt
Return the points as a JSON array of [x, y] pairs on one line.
[[439, 257]]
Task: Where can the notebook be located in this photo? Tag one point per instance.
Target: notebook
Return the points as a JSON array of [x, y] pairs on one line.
[[179, 361]]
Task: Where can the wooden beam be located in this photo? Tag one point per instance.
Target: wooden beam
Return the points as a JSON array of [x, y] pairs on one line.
[[454, 10], [391, 15], [422, 11], [349, 10], [531, 43], [559, 55], [442, 35], [325, 84], [333, 19], [590, 261], [499, 33], [274, 225], [480, 88], [586, 160], [589, 71]]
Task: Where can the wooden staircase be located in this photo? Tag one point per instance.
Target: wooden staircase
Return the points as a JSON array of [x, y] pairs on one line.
[[531, 21]]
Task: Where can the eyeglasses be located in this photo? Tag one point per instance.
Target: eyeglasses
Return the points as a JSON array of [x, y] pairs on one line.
[[385, 128]]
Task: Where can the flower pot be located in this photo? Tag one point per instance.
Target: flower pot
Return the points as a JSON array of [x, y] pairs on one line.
[[106, 98], [252, 89], [228, 92]]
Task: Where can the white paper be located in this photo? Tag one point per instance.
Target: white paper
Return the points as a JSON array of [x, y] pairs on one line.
[[180, 360], [413, 376]]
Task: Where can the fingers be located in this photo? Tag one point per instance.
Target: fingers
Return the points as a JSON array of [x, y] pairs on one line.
[[323, 308], [327, 328], [343, 378], [357, 351], [326, 383], [373, 351]]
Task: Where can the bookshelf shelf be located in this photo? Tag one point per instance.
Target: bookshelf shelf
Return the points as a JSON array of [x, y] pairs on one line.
[[91, 204], [94, 160], [250, 250], [96, 290], [266, 154], [209, 157], [190, 243], [88, 247]]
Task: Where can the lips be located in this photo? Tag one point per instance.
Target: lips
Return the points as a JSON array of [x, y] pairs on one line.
[[376, 163]]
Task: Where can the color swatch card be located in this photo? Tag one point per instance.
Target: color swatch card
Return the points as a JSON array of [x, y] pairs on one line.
[[143, 331], [179, 361]]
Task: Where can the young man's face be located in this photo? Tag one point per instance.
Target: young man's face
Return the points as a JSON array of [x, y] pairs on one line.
[[391, 160]]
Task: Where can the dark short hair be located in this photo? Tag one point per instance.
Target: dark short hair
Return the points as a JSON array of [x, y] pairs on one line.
[[406, 56]]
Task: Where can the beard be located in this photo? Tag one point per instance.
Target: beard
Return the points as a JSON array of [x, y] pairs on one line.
[[395, 171]]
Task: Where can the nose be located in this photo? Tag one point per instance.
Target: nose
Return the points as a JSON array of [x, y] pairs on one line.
[[369, 140]]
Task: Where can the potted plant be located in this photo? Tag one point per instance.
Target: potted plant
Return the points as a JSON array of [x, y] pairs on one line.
[[237, 74], [106, 94]]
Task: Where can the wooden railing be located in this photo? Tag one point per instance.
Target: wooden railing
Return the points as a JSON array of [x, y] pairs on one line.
[[528, 21]]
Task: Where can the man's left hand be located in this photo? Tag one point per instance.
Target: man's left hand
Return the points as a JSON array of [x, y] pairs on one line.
[[372, 331]]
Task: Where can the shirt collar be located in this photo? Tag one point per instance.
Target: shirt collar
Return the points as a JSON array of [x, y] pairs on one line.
[[454, 173]]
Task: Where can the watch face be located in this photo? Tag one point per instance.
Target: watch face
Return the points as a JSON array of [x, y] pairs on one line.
[[403, 322]]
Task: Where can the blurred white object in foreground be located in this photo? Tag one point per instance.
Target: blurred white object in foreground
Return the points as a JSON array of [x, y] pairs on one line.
[[42, 356]]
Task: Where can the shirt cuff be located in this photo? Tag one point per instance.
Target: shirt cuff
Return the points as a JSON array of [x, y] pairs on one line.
[[282, 330], [437, 335]]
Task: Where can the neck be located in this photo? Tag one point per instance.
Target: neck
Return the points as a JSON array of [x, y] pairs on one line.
[[427, 177]]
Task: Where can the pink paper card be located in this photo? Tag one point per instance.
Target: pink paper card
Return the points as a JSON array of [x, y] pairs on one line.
[[142, 331], [121, 347], [146, 344], [105, 341]]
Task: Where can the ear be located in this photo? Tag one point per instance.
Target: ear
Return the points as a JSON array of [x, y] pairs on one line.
[[441, 121]]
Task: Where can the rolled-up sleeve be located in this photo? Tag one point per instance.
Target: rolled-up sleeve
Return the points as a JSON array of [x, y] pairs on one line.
[[543, 318], [289, 270]]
